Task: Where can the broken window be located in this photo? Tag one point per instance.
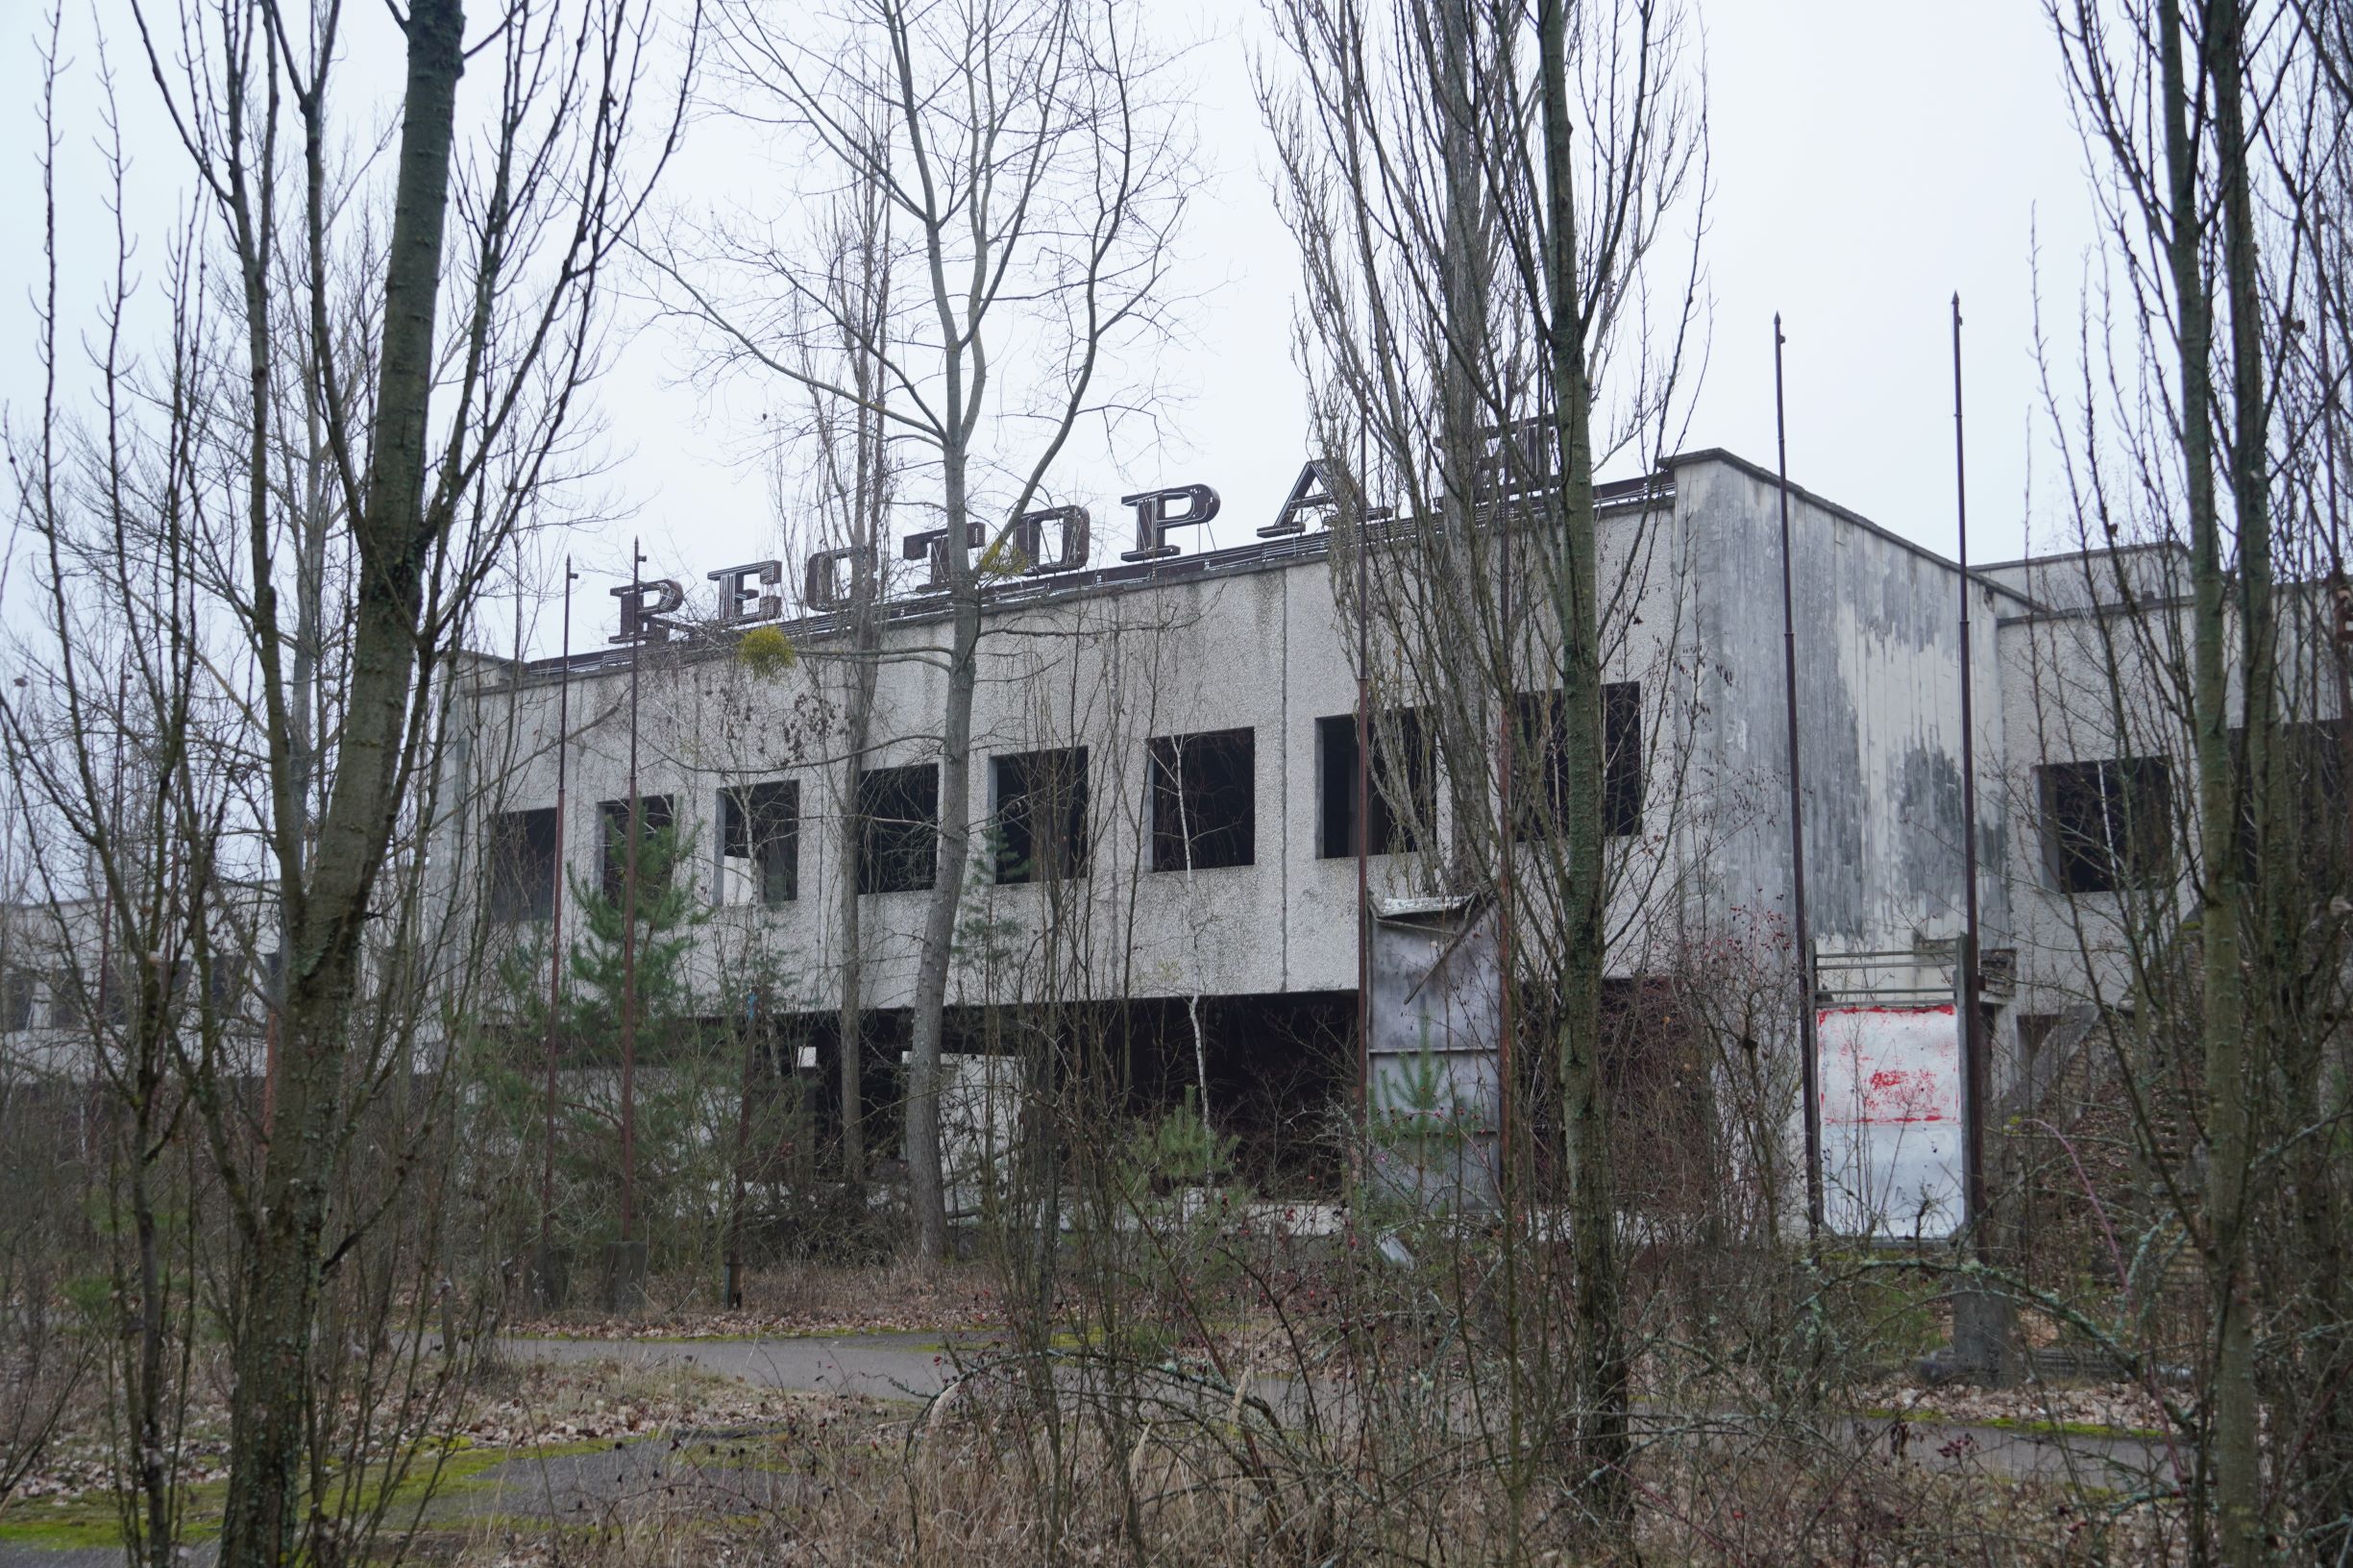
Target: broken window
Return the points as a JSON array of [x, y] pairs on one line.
[[899, 828], [656, 849], [17, 989], [1541, 780], [270, 979], [225, 988], [1401, 783], [1204, 799], [1040, 815], [759, 835], [2108, 825], [2307, 770], [522, 865]]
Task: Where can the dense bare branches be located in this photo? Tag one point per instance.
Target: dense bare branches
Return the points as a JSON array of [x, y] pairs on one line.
[[1032, 184], [261, 561], [1482, 194], [2201, 474]]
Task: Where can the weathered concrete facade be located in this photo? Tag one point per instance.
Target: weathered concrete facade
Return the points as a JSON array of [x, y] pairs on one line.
[[1257, 641], [1254, 638], [1877, 658]]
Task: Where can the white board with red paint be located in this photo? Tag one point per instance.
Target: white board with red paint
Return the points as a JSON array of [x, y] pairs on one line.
[[1891, 1122]]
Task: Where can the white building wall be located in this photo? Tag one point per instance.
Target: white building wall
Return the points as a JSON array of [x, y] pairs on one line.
[[1255, 639]]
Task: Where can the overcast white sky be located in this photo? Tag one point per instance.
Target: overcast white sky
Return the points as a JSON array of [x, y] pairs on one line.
[[1870, 159]]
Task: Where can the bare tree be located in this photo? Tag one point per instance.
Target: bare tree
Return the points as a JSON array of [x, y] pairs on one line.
[[1033, 187], [857, 470], [335, 433], [1479, 191], [2200, 480]]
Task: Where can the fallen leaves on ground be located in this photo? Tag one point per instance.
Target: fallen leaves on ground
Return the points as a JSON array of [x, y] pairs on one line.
[[2118, 1407]]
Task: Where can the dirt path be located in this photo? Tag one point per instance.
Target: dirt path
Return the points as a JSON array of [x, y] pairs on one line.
[[866, 1365]]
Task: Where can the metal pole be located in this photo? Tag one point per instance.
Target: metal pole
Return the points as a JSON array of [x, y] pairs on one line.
[[2342, 597], [1803, 938], [1364, 903], [1972, 981], [555, 942], [731, 1285], [1507, 845], [628, 931]]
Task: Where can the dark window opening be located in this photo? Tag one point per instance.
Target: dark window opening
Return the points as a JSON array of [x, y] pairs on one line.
[[759, 833], [1622, 758], [521, 856], [225, 985], [1040, 815], [248, 987], [899, 828], [655, 849], [1204, 799], [85, 998], [2308, 774], [2108, 825], [1402, 794], [17, 990], [1540, 783]]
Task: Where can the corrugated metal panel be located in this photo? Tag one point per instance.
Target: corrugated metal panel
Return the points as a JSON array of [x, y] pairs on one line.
[[1434, 1085]]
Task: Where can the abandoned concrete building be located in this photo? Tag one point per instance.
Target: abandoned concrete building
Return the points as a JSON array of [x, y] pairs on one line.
[[1165, 812], [1163, 802]]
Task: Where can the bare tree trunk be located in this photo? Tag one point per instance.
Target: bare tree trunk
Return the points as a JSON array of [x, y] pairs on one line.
[[149, 1396], [2234, 1051], [858, 725], [2235, 1455], [1008, 143], [325, 919], [2219, 893], [926, 1188], [1468, 277], [1603, 1378]]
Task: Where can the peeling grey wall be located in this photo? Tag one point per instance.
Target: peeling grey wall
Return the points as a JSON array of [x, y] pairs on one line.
[[1878, 656]]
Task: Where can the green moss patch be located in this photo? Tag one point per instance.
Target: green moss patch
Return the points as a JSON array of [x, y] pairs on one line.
[[94, 1519]]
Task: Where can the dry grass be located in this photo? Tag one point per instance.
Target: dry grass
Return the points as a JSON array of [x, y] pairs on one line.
[[995, 1479]]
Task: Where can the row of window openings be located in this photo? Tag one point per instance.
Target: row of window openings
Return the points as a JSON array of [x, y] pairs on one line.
[[1202, 810], [2109, 824], [233, 986]]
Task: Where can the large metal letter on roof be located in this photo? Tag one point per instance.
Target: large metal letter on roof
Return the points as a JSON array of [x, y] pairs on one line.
[[740, 604], [931, 546], [643, 604], [1029, 538], [1154, 519], [821, 587], [1312, 492]]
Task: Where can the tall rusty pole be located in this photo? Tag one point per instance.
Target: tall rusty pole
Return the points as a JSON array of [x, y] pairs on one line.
[[2343, 623], [1364, 721], [634, 847], [555, 948], [1507, 845], [1975, 1078], [1803, 937]]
